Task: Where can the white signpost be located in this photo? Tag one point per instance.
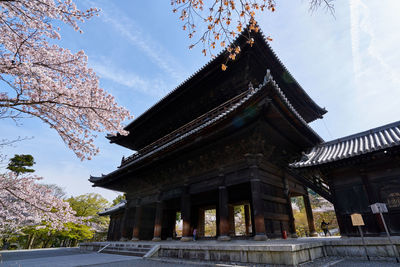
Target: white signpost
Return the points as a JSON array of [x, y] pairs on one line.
[[381, 208]]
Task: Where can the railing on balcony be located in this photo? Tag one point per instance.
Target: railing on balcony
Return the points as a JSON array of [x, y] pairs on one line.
[[187, 127]]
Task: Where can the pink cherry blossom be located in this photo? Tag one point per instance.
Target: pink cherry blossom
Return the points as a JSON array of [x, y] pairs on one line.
[[24, 202], [49, 82]]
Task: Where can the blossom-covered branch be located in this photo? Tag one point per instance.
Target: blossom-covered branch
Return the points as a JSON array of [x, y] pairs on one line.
[[223, 20], [24, 202], [51, 83]]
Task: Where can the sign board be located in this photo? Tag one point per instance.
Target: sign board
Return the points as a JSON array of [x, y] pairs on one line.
[[356, 219], [379, 208]]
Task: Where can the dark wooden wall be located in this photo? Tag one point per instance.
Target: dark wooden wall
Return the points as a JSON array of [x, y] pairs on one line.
[[361, 184], [229, 160]]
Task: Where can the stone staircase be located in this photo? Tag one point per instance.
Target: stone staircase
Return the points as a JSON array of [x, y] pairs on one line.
[[120, 248]]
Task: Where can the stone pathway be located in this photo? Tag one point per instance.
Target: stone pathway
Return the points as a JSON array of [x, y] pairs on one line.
[[72, 257], [58, 257]]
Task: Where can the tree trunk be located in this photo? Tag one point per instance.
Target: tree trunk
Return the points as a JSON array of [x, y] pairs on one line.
[[30, 241]]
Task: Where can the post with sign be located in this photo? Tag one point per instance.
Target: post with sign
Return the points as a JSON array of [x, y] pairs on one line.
[[381, 208], [357, 220]]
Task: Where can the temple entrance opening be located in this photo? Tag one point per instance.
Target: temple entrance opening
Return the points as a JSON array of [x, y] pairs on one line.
[[210, 223], [178, 224], [242, 220], [313, 215], [300, 216]]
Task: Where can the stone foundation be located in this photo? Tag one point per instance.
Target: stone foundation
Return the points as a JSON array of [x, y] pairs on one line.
[[281, 254], [284, 252]]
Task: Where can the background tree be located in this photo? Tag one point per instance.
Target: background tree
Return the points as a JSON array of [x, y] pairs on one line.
[[118, 199], [19, 164], [42, 80], [56, 190], [218, 22], [24, 202], [89, 205], [88, 226], [322, 210]]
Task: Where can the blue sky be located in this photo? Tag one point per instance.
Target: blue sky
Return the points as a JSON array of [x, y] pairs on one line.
[[349, 64]]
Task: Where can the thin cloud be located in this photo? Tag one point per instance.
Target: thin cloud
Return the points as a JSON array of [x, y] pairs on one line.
[[136, 36], [153, 87], [361, 23]]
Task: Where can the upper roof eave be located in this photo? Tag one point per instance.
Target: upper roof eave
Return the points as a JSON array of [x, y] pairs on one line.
[[198, 75]]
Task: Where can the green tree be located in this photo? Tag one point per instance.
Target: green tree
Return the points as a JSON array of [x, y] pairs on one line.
[[19, 164], [76, 233], [89, 205], [118, 199]]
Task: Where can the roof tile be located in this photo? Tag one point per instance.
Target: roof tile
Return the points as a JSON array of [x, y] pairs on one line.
[[365, 142]]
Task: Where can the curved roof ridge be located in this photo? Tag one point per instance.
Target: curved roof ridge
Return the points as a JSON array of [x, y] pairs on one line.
[[290, 106], [286, 69], [182, 83]]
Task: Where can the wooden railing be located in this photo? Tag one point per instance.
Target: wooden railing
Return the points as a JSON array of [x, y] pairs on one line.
[[315, 183], [187, 127]]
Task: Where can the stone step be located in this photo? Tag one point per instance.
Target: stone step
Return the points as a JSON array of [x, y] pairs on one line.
[[125, 252], [131, 246], [129, 249]]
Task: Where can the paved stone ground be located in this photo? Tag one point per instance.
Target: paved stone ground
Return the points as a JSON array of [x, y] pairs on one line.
[[344, 262], [68, 257], [73, 257]]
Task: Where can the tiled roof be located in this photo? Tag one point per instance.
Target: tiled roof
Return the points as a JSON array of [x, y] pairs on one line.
[[204, 121], [221, 54], [358, 144], [113, 209]]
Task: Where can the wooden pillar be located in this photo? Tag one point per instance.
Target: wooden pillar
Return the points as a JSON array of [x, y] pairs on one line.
[[114, 228], [158, 222], [171, 218], [372, 199], [185, 211], [258, 210], [247, 219], [286, 191], [257, 202], [201, 223], [110, 228], [117, 231], [223, 214], [125, 224], [310, 217], [136, 226], [231, 217], [339, 217]]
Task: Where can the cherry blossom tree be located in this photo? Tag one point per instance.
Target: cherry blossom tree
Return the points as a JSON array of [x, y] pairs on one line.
[[42, 80], [218, 22], [24, 202]]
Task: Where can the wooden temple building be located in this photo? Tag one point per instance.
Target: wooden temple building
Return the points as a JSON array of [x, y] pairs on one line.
[[360, 170], [226, 138]]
